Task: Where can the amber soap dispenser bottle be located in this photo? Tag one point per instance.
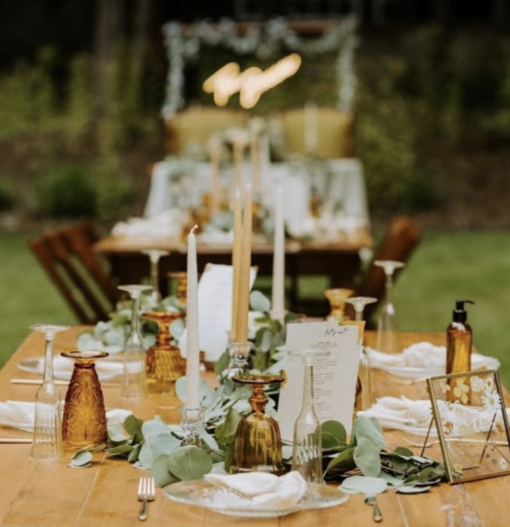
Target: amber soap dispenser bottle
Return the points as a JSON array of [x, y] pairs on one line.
[[459, 337]]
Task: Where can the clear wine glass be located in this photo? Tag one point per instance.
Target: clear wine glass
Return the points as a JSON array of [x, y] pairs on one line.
[[388, 339], [364, 396], [47, 442], [307, 445], [134, 382], [154, 256]]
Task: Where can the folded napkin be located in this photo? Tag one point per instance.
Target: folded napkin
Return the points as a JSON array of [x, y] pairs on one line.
[[258, 490], [20, 414], [421, 360], [164, 225], [414, 416], [63, 367]]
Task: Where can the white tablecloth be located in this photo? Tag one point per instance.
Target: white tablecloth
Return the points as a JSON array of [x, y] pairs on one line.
[[342, 183]]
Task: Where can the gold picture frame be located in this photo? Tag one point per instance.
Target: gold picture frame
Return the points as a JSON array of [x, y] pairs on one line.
[[472, 424]]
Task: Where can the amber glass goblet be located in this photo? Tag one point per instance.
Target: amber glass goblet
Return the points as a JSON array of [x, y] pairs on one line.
[[164, 364], [337, 299], [84, 421], [258, 444]]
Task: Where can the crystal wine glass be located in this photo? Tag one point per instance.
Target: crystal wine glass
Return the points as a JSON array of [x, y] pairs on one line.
[[364, 395], [388, 340], [134, 382], [154, 256], [47, 441], [307, 445]]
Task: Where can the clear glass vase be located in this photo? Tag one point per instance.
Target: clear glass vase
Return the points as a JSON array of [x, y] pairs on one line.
[[307, 442], [84, 421]]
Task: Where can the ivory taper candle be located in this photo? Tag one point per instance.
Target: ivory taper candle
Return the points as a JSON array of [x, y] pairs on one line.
[[214, 154], [278, 286], [193, 347], [236, 257]]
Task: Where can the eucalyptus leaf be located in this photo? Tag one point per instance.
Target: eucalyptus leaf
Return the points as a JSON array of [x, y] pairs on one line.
[[259, 302], [229, 456], [177, 328], [189, 463], [161, 473], [154, 428], [81, 458], [363, 427], [391, 480], [226, 432], [266, 340], [364, 485], [135, 453], [222, 363], [344, 461], [119, 450], [367, 457], [408, 489], [402, 451], [207, 438], [132, 425], [180, 388], [162, 444], [291, 318], [336, 430], [145, 457]]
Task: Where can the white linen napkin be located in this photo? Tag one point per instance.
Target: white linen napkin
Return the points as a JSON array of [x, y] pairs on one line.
[[21, 414], [414, 416], [164, 225], [63, 367], [422, 360], [262, 491]]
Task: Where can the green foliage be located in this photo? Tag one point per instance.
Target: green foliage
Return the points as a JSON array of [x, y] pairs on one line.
[[67, 191]]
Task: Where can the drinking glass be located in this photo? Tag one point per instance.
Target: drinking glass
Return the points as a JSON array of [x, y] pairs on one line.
[[364, 394], [84, 421], [47, 441], [154, 256], [307, 446], [134, 383], [258, 444], [388, 339]]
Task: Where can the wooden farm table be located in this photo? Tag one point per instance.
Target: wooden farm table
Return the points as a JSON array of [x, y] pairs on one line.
[[50, 494], [339, 261]]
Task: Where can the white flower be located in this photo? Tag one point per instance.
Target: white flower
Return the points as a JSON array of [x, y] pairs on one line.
[[491, 400], [477, 384]]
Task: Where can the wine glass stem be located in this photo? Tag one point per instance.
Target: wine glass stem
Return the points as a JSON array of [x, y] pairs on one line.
[[389, 289], [48, 359], [359, 314], [154, 276], [135, 319]]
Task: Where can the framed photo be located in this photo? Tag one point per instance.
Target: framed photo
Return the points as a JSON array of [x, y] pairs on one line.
[[472, 424]]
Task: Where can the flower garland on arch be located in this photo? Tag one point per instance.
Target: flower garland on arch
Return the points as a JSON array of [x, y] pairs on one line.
[[183, 46]]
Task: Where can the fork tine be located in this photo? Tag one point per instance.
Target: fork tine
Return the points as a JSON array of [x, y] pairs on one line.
[[153, 488], [140, 487]]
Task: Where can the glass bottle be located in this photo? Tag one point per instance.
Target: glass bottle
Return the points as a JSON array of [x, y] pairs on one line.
[[307, 445], [134, 383], [258, 444], [84, 421], [47, 439], [388, 338]]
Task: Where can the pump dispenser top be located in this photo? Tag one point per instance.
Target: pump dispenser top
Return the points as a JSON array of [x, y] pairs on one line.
[[460, 313]]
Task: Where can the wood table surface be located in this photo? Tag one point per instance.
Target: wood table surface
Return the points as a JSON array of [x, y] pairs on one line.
[[51, 494], [339, 261]]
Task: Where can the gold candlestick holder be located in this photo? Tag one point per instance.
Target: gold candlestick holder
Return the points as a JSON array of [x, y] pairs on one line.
[[84, 421], [258, 444], [182, 285], [164, 364]]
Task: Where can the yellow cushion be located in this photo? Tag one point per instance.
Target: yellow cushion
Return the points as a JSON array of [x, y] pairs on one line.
[[334, 132], [198, 123]]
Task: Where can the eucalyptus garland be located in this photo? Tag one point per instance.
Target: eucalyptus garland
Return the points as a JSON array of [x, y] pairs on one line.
[[184, 45]]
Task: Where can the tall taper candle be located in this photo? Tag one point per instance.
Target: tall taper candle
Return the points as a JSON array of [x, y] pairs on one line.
[[255, 162], [244, 278], [236, 258], [214, 154], [311, 131], [278, 290], [238, 156], [193, 347]]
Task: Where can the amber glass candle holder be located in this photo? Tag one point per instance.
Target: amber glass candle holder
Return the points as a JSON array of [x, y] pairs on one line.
[[182, 286], [84, 421], [337, 299], [164, 364], [258, 444]]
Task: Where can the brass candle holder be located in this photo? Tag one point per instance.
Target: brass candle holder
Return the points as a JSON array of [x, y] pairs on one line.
[[258, 444], [337, 298], [164, 364], [84, 421]]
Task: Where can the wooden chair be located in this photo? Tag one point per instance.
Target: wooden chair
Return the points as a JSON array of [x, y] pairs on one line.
[[67, 257], [399, 242]]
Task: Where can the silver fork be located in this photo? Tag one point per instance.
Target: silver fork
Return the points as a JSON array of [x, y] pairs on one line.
[[146, 493]]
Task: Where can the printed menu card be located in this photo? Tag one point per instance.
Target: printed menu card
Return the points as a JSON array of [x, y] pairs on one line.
[[334, 376]]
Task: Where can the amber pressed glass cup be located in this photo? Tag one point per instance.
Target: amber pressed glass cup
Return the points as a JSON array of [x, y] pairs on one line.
[[337, 298], [258, 444], [84, 421], [164, 364]]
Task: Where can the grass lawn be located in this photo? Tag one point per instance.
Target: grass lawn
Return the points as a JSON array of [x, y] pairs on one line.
[[445, 267]]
